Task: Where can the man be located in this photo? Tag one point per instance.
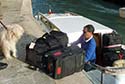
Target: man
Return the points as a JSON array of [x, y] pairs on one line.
[[89, 45]]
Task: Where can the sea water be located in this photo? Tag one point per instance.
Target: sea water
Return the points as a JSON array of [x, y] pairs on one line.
[[97, 10]]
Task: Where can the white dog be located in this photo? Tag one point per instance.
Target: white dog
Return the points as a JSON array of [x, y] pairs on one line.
[[9, 38]]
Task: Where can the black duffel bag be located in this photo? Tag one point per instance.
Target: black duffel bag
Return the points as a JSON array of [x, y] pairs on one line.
[[110, 57], [41, 46], [53, 40], [59, 63], [111, 39]]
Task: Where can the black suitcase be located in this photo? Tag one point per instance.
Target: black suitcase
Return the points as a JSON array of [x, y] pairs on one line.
[[63, 62], [110, 57], [33, 58], [111, 39]]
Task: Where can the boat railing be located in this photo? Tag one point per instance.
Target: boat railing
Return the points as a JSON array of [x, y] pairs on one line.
[[39, 15], [108, 70], [45, 20], [72, 13]]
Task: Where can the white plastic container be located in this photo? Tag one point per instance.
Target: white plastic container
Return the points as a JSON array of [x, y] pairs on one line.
[[121, 79], [122, 12]]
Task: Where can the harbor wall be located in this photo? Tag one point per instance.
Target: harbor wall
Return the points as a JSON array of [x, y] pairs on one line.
[[20, 12]]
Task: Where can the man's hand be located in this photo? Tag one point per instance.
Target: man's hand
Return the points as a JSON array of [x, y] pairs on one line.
[[88, 62]]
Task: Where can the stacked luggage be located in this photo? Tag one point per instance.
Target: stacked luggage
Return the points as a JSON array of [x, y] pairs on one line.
[[51, 54], [112, 50], [62, 62]]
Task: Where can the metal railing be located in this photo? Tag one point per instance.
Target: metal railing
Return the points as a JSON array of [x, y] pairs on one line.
[[108, 70]]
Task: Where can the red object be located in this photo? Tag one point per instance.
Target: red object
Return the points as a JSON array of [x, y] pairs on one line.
[[57, 53], [58, 70], [49, 66], [50, 12], [120, 56]]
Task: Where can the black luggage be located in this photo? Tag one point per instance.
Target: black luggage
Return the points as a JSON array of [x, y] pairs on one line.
[[111, 48], [33, 58], [63, 62], [53, 40], [41, 46], [110, 57], [111, 39], [61, 37], [111, 42]]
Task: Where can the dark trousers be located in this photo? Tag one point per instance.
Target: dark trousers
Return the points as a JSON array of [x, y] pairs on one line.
[[88, 67]]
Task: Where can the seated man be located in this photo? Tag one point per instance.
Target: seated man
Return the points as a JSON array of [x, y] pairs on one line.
[[88, 44]]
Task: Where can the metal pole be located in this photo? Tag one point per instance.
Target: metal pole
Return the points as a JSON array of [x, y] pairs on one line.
[[102, 77]]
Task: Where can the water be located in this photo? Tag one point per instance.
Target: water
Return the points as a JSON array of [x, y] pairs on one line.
[[97, 10]]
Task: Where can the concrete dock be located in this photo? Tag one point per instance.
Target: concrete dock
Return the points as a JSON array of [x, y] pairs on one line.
[[17, 72]]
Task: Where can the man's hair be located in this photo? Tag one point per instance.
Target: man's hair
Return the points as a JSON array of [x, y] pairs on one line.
[[90, 28]]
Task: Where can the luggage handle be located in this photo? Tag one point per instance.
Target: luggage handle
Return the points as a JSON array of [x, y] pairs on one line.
[[52, 36]]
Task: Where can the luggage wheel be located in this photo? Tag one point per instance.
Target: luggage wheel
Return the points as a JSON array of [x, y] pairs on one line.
[[33, 67]]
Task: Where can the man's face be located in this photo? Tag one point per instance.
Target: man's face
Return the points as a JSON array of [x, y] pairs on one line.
[[86, 34]]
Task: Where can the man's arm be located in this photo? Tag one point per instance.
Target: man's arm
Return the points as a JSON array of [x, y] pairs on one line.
[[78, 41]]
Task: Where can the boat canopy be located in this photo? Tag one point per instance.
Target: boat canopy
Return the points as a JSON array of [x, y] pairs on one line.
[[76, 23], [73, 24]]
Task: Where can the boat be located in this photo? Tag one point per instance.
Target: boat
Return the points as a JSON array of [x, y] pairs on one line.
[[72, 24]]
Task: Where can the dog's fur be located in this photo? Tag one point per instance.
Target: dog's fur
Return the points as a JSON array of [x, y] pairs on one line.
[[9, 39]]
